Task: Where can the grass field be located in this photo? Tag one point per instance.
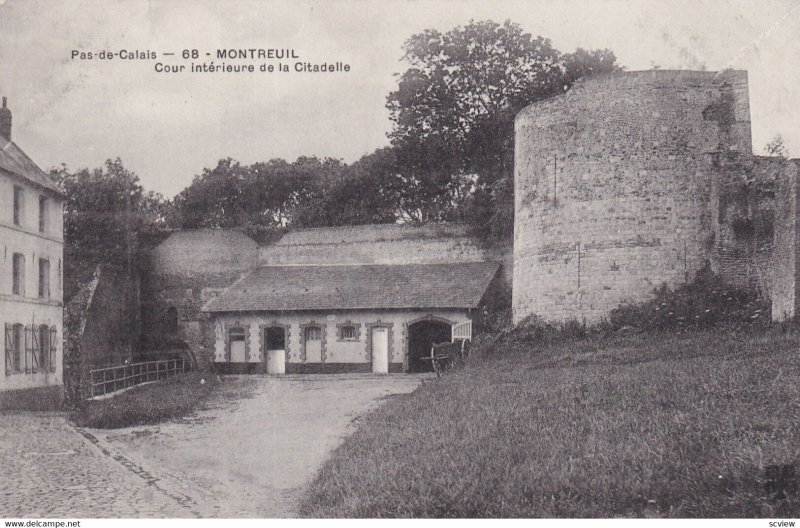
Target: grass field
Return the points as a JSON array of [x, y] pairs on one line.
[[658, 426], [147, 404]]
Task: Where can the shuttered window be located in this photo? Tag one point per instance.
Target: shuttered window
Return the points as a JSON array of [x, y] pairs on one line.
[[53, 348], [9, 340], [31, 349], [44, 346], [15, 344]]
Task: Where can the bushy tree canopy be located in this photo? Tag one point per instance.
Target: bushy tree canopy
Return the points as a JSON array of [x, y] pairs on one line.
[[454, 112], [265, 194], [106, 210]]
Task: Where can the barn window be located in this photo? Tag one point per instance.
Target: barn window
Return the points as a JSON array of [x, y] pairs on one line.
[[18, 279], [236, 334], [348, 333], [313, 333]]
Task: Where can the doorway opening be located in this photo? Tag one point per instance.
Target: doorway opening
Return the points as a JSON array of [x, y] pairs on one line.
[[421, 337], [275, 340]]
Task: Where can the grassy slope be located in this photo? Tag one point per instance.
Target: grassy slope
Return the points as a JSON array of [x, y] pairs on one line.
[[148, 404], [581, 429]]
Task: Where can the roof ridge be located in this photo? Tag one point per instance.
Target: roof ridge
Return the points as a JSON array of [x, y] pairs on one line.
[[15, 161], [375, 264], [357, 287]]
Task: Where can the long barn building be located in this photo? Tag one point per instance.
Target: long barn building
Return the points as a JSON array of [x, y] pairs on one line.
[[345, 299]]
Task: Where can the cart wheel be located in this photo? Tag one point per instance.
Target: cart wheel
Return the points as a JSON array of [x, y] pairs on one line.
[[437, 368]]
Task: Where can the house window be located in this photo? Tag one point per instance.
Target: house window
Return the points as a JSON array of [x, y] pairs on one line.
[[18, 205], [348, 333], [44, 346], [53, 348], [19, 346], [313, 333], [44, 279], [18, 279], [42, 213]]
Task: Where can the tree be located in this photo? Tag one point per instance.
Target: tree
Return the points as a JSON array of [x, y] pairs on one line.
[[587, 63], [105, 212], [215, 198], [454, 109], [265, 194], [362, 193]]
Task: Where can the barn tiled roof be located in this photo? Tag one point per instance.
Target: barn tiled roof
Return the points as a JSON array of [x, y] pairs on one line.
[[15, 161], [291, 288]]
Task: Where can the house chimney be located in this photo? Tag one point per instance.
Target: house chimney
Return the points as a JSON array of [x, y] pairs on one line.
[[5, 121]]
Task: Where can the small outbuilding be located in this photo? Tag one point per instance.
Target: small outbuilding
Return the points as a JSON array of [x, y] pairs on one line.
[[343, 318]]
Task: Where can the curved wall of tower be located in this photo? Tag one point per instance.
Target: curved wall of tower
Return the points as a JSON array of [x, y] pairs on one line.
[[614, 188]]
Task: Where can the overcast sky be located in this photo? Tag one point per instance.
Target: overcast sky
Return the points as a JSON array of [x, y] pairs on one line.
[[168, 127]]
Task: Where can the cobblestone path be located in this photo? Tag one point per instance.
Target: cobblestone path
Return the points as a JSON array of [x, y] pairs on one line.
[[50, 469]]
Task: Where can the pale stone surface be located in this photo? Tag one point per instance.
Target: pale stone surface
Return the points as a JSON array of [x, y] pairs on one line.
[[248, 453], [253, 455], [627, 182]]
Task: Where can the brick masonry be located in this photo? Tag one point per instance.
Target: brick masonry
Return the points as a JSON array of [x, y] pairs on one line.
[[785, 270], [633, 180]]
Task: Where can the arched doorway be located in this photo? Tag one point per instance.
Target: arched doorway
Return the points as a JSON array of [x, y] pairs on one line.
[[421, 337]]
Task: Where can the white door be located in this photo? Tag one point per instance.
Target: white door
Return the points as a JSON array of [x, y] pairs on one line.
[[275, 343], [237, 351], [380, 350], [313, 344], [276, 361]]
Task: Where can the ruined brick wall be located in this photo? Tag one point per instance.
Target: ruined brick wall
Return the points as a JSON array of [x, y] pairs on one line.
[[786, 243], [745, 209], [613, 182]]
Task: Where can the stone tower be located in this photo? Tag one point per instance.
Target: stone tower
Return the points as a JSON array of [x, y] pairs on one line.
[[613, 185]]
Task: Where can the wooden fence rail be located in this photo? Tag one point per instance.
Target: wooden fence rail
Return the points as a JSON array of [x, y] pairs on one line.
[[111, 379]]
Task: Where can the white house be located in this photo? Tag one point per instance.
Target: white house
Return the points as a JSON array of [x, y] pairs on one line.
[[31, 262]]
